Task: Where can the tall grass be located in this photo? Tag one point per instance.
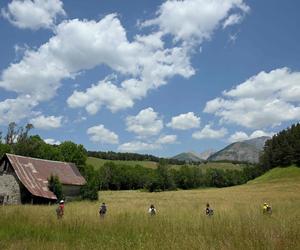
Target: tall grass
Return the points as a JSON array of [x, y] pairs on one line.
[[180, 223]]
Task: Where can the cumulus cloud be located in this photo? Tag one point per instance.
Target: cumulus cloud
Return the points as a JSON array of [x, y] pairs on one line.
[[52, 141], [241, 136], [266, 99], [100, 134], [138, 146], [33, 14], [145, 63], [194, 20], [146, 123], [167, 139], [208, 133], [103, 93], [40, 71], [238, 136], [184, 121], [146, 60], [46, 122], [146, 146], [14, 110]]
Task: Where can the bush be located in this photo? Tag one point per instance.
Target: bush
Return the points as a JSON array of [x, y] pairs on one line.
[[55, 186], [90, 190]]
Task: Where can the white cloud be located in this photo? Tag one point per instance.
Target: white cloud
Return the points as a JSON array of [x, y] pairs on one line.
[[208, 133], [33, 14], [149, 145], [149, 70], [40, 71], [143, 63], [260, 133], [238, 136], [145, 123], [52, 141], [184, 121], [232, 19], [145, 60], [194, 20], [101, 134], [46, 122], [279, 83], [242, 136], [104, 93], [166, 139], [153, 40], [266, 99], [138, 146], [14, 110]]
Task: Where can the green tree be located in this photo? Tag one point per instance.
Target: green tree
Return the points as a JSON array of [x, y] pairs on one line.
[[55, 186], [4, 148], [283, 149], [165, 177], [90, 190], [31, 147], [72, 152]]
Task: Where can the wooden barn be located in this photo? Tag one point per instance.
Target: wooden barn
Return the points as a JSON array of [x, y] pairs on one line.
[[25, 179]]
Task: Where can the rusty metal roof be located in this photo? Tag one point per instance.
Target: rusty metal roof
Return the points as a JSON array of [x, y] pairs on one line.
[[34, 174]]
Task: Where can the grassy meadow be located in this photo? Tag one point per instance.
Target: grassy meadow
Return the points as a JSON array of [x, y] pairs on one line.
[[180, 223], [97, 163]]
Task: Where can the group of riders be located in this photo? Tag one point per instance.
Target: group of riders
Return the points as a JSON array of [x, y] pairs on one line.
[[267, 209]]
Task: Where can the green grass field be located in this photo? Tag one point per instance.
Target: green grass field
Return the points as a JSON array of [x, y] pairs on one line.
[[97, 163], [238, 222], [279, 175]]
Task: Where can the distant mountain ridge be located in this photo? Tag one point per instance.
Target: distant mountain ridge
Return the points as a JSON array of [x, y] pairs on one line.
[[245, 151], [188, 157], [206, 154]]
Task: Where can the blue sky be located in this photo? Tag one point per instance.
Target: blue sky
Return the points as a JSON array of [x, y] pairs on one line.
[[159, 77]]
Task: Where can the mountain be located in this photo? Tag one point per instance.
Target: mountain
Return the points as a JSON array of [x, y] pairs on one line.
[[247, 151], [206, 154], [187, 157]]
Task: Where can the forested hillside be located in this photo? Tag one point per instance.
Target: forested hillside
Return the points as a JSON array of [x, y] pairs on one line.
[[283, 149], [120, 156]]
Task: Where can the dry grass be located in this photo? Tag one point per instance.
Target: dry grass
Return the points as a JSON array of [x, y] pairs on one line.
[[180, 223]]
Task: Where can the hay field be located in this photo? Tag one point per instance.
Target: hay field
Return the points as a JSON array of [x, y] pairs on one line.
[[180, 223]]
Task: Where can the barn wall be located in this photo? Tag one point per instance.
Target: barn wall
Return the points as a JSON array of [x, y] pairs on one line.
[[71, 190], [10, 189]]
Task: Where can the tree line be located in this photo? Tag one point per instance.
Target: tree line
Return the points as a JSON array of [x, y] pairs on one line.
[[110, 155], [117, 176], [283, 149]]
